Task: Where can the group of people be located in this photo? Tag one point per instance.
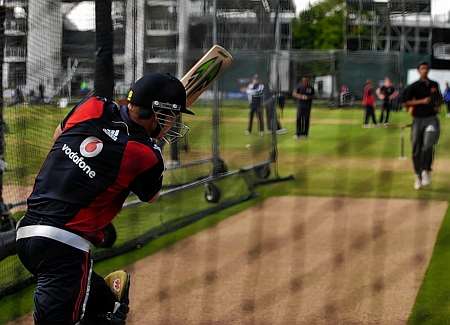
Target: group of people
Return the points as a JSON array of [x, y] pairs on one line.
[[259, 95], [422, 99], [108, 151], [19, 98], [386, 93]]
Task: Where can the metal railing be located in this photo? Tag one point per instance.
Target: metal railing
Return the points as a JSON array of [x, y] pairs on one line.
[[15, 26], [15, 52], [15, 3], [162, 3], [161, 25], [161, 55]]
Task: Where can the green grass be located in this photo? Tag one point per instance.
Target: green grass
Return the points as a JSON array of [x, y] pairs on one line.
[[339, 159], [433, 304]]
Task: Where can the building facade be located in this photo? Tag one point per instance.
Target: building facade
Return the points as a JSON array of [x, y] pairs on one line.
[[52, 42]]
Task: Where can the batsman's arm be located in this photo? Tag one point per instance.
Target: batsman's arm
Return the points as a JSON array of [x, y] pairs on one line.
[[147, 185]]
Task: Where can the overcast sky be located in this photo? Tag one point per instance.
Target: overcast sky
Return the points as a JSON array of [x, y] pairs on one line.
[[438, 6], [303, 4]]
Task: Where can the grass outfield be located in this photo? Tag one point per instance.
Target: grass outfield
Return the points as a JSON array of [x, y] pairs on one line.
[[339, 159]]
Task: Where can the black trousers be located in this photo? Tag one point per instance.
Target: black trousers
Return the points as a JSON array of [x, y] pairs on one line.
[[370, 114], [424, 136], [67, 289], [303, 117], [385, 111], [256, 109], [448, 107]]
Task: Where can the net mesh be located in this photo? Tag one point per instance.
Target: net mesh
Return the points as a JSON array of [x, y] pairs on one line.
[[49, 64]]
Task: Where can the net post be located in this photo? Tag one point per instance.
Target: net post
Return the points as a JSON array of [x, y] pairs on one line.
[[104, 66], [215, 110], [2, 121]]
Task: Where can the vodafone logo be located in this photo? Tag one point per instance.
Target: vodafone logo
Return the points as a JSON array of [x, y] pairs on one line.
[[91, 147]]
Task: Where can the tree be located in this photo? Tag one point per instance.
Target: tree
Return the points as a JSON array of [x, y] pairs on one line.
[[320, 26]]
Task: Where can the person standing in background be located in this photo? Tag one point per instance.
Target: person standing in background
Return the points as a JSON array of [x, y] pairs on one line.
[[41, 90], [423, 100], [447, 98], [255, 93], [369, 104], [386, 93], [281, 101], [271, 112], [304, 94]]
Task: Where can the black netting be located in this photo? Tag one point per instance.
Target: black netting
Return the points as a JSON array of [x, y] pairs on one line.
[[57, 52]]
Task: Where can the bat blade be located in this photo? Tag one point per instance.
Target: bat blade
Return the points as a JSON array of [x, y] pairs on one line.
[[204, 72]]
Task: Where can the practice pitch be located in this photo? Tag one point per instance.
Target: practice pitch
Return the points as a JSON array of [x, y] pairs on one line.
[[293, 260]]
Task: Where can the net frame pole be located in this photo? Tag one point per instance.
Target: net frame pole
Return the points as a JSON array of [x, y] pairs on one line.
[[104, 40], [274, 117], [215, 111], [183, 27], [3, 208]]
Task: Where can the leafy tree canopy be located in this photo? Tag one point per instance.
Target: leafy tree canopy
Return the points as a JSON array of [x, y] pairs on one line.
[[320, 26]]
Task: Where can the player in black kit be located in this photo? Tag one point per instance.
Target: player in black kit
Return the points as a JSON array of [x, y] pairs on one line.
[[423, 100], [304, 94], [101, 153], [386, 93]]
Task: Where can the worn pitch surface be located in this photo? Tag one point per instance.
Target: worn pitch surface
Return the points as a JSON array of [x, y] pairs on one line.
[[293, 260]]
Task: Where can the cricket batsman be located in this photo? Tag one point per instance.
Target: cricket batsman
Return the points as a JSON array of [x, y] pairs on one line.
[[101, 153]]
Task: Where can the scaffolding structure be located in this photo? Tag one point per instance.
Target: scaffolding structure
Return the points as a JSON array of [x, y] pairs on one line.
[[405, 26], [151, 35]]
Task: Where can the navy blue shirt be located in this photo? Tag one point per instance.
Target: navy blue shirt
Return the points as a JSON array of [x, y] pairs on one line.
[[100, 156], [308, 91]]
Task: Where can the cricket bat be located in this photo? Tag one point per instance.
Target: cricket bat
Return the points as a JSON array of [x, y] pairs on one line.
[[204, 72]]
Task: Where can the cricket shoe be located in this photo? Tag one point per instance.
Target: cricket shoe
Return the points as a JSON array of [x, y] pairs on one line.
[[417, 183], [426, 178]]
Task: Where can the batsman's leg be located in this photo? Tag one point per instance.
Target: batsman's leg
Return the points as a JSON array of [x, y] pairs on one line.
[[62, 274]]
